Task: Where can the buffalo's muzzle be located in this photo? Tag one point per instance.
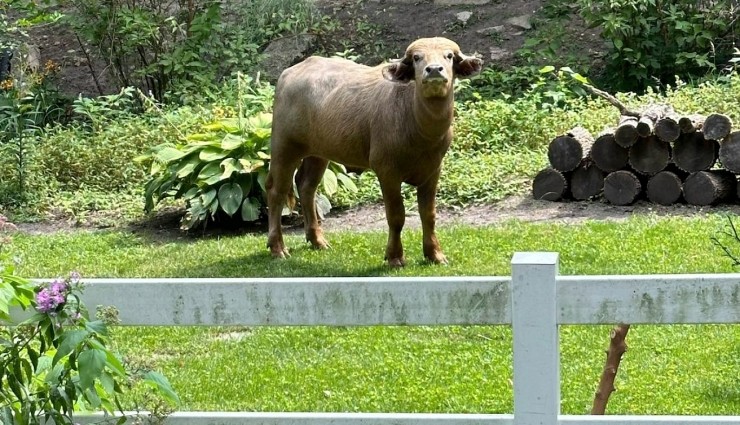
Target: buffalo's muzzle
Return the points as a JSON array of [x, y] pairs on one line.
[[434, 73]]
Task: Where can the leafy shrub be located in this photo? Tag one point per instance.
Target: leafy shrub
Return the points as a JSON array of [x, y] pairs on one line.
[[57, 360], [172, 50], [29, 102], [658, 40], [222, 169]]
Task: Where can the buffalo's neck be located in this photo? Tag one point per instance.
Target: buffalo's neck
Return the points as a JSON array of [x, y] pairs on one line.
[[433, 116]]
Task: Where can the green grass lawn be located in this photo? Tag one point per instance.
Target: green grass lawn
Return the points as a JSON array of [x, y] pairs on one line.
[[679, 369]]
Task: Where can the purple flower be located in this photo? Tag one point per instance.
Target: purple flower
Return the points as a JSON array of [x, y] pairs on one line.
[[74, 277], [51, 296], [45, 302]]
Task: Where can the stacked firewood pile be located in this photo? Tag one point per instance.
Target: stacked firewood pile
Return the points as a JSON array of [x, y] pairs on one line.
[[657, 154]]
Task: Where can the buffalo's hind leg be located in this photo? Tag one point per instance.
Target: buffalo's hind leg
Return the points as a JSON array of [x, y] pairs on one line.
[[307, 180], [279, 184]]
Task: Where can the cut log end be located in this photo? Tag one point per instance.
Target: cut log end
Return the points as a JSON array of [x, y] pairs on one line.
[[549, 185], [692, 152], [709, 187], [664, 188], [608, 155], [587, 181], [729, 152], [622, 187], [649, 155], [717, 127]]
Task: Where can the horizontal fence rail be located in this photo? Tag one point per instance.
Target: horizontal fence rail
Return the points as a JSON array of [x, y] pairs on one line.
[[535, 300], [657, 299]]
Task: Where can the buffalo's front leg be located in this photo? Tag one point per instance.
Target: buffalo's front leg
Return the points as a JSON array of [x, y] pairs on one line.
[[396, 216], [425, 196], [307, 179]]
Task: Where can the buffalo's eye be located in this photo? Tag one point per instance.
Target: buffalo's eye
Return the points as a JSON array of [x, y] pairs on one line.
[[417, 58], [450, 56]]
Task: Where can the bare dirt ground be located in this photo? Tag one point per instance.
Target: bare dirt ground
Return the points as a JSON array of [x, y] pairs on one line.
[[165, 224]]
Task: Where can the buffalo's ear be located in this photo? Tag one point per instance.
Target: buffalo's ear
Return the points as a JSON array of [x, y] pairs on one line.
[[401, 71], [467, 66]]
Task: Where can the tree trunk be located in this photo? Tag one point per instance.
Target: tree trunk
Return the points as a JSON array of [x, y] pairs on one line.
[[664, 188], [717, 127], [729, 152], [608, 155], [709, 187], [649, 155], [691, 123], [586, 181], [692, 152], [667, 129], [622, 187], [626, 133], [550, 185], [567, 151], [617, 347]]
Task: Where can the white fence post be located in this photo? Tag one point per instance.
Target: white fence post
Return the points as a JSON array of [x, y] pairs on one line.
[[535, 330]]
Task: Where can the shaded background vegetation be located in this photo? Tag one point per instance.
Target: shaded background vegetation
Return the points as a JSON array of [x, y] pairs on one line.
[[165, 71]]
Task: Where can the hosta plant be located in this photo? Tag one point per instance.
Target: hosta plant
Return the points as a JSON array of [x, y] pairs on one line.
[[223, 170]]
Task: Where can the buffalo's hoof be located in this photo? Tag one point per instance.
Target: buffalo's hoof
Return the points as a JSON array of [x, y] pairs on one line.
[[396, 262], [279, 252], [437, 258], [319, 243]]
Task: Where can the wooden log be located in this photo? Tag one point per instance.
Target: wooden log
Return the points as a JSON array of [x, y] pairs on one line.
[[626, 133], [622, 187], [692, 152], [587, 181], [729, 152], [567, 151], [667, 129], [691, 123], [607, 154], [709, 187], [664, 188], [717, 127], [649, 155], [650, 116], [550, 185]]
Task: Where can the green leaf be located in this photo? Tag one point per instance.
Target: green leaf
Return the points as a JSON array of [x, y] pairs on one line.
[[323, 205], [70, 340], [209, 171], [250, 209], [212, 154], [230, 166], [231, 142], [167, 154], [347, 182], [209, 196], [98, 327], [188, 166], [162, 385], [230, 197], [546, 69], [91, 363], [329, 182]]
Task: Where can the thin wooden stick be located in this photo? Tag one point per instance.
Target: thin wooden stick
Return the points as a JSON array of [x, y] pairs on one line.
[[617, 347], [613, 100]]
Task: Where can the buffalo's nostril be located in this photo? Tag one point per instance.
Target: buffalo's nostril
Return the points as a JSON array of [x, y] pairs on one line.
[[434, 68]]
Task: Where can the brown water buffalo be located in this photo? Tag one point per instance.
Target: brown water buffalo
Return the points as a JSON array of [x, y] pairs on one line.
[[393, 119]]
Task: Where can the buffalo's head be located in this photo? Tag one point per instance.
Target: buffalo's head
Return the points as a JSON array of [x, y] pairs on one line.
[[433, 63]]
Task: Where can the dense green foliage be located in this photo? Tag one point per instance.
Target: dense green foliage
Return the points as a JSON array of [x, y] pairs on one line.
[[410, 369], [654, 40]]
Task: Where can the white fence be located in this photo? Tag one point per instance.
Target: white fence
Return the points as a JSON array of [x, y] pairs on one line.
[[534, 301]]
